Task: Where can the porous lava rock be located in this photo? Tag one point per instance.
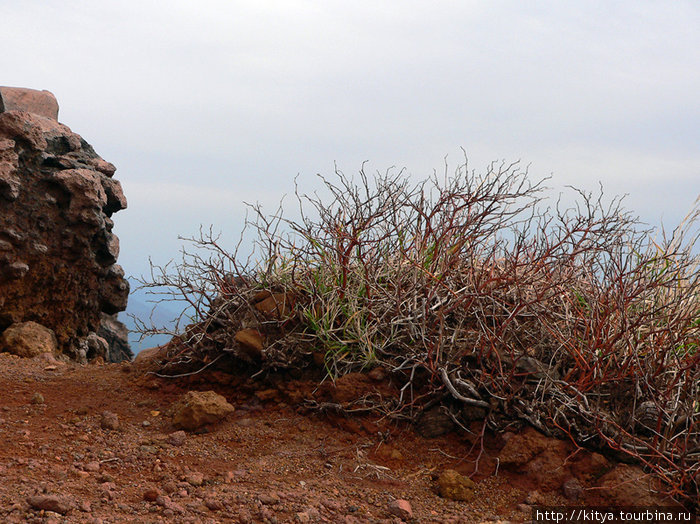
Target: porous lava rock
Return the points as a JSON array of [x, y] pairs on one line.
[[57, 251], [200, 408]]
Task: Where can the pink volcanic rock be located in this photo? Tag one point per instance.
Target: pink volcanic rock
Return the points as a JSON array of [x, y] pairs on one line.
[[58, 254], [41, 103]]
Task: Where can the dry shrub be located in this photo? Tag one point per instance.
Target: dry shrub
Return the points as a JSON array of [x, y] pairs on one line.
[[465, 288]]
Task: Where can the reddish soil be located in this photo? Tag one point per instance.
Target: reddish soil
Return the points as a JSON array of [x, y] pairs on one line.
[[271, 461]]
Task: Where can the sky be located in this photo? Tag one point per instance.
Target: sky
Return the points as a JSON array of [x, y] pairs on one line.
[[204, 105]]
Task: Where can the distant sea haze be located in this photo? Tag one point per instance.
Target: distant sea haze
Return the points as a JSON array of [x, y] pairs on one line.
[[141, 306]]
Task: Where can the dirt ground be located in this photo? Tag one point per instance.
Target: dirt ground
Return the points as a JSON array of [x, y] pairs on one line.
[[270, 461]]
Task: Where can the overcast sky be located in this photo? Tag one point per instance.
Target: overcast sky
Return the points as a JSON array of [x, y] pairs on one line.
[[202, 105]]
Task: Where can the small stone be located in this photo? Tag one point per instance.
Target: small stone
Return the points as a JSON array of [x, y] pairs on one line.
[[251, 342], [40, 248], [151, 495], [163, 500], [535, 498], [230, 477], [195, 479], [330, 504], [214, 504], [454, 486], [145, 423], [199, 408], [97, 345], [276, 305], [389, 452], [170, 487], [92, 466], [85, 506], [401, 508], [50, 503], [378, 374], [269, 499], [105, 478], [109, 420], [302, 517], [245, 422], [177, 438], [396, 455], [313, 513], [573, 489], [17, 270], [37, 398]]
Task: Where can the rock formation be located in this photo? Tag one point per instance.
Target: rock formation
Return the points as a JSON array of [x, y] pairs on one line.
[[57, 251]]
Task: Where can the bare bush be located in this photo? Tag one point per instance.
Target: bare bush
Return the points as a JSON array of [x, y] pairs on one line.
[[467, 289]]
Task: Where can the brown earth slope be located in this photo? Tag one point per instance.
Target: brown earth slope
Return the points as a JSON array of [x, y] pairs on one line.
[[270, 461]]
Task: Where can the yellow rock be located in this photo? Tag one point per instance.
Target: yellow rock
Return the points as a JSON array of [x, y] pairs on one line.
[[28, 339], [454, 486], [200, 408]]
